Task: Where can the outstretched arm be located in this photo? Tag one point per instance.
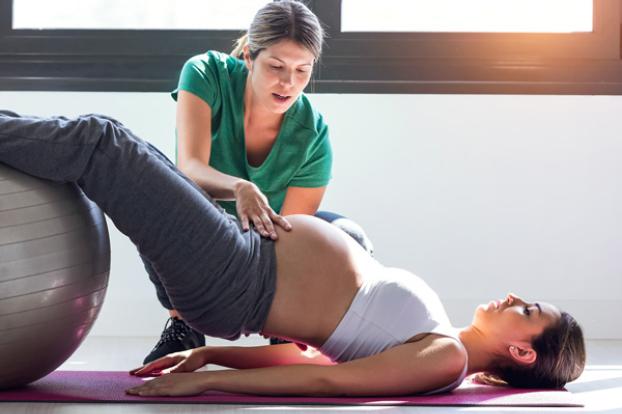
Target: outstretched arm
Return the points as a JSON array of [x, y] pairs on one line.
[[238, 357], [405, 369], [243, 357]]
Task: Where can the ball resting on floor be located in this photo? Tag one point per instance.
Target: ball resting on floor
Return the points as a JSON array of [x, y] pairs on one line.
[[54, 266]]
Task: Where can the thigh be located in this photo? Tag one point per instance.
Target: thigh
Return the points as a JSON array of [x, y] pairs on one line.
[[207, 264]]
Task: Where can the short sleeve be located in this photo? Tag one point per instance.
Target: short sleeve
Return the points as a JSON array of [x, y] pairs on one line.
[[199, 76], [316, 170]]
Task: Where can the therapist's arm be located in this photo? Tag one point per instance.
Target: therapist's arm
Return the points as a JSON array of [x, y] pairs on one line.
[[194, 144], [302, 200]]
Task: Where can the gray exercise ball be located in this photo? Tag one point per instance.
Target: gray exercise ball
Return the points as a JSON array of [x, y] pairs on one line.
[[54, 266]]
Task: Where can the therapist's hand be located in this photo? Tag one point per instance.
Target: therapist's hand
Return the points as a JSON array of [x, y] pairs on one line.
[[252, 207]]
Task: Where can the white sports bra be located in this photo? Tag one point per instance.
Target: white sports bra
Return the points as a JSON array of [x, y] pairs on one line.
[[388, 312]]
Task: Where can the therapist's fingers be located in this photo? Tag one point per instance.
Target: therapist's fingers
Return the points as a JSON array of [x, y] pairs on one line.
[[244, 222], [258, 224], [264, 225], [280, 221]]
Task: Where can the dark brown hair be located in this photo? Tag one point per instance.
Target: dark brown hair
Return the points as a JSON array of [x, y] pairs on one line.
[[560, 350]]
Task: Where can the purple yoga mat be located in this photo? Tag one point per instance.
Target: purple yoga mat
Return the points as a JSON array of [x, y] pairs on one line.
[[107, 387]]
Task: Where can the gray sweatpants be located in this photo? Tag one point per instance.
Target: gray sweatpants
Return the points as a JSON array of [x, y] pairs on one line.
[[220, 278], [350, 227]]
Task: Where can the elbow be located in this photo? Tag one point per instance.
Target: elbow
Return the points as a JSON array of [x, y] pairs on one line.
[[189, 166], [184, 164]]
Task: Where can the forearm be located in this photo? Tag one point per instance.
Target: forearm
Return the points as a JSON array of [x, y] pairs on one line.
[[262, 356], [303, 380], [217, 184]]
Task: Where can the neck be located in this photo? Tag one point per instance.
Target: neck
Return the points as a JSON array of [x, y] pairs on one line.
[[478, 349], [255, 113]]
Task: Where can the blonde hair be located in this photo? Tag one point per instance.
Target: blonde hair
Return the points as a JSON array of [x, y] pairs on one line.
[[276, 21]]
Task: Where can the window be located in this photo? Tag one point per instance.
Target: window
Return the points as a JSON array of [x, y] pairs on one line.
[[371, 60], [134, 14], [575, 49], [483, 16]]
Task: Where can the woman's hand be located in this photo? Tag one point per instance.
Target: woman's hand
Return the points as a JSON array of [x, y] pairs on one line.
[[252, 207], [185, 361], [171, 385]]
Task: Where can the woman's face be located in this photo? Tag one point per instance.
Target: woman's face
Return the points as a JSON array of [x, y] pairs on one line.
[[279, 74], [513, 321]]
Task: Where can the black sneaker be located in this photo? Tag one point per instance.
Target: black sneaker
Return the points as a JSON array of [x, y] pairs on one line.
[[278, 341], [176, 336]]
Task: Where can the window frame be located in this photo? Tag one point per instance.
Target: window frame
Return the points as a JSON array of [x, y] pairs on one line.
[[352, 62]]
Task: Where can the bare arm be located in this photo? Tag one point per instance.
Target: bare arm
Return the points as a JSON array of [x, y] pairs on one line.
[[244, 357], [405, 369], [302, 200], [238, 357], [194, 143]]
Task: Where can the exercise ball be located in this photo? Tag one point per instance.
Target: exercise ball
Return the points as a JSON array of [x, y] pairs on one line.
[[54, 266]]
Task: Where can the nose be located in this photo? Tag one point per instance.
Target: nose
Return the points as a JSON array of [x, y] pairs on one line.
[[287, 78], [511, 298]]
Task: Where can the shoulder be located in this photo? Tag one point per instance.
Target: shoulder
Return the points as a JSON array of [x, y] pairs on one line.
[[211, 75], [216, 61], [432, 364], [443, 359], [450, 354], [445, 353]]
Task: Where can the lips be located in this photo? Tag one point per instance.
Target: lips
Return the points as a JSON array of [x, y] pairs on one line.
[[280, 98]]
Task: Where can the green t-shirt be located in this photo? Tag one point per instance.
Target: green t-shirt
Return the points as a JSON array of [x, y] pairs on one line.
[[301, 155]]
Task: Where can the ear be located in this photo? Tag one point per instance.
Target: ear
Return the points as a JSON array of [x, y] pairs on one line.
[[523, 354], [247, 57]]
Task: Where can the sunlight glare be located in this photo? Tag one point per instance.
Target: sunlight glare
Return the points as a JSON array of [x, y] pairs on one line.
[[134, 15], [500, 16]]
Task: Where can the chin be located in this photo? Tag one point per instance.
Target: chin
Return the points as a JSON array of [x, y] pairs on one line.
[[479, 313]]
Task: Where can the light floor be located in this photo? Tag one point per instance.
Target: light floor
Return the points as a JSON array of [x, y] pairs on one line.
[[600, 387]]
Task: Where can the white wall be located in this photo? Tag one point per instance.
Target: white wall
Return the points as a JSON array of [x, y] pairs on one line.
[[478, 194]]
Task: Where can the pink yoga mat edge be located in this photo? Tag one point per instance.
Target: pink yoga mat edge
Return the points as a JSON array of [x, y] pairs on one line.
[[109, 387]]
